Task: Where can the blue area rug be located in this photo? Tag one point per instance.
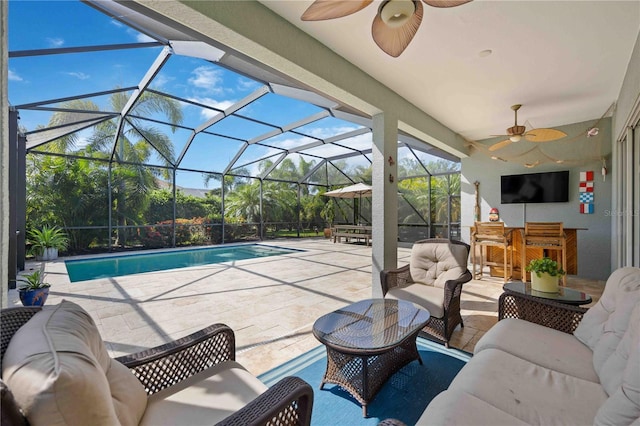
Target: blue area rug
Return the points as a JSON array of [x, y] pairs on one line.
[[404, 397]]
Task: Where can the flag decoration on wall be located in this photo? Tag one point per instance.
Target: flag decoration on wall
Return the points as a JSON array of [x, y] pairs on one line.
[[586, 192]]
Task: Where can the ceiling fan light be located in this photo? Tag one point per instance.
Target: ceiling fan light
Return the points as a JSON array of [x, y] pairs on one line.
[[515, 138], [396, 13]]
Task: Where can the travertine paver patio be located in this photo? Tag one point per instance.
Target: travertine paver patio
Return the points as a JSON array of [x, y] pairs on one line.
[[270, 303]]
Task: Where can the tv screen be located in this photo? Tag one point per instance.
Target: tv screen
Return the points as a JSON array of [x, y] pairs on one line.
[[549, 187]]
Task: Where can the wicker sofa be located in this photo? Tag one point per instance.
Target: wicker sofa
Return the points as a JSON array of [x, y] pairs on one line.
[[56, 371], [526, 371]]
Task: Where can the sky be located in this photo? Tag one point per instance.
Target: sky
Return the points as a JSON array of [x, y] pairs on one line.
[[35, 25]]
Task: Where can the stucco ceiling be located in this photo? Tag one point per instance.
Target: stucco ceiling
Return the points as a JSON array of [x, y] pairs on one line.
[[564, 61]]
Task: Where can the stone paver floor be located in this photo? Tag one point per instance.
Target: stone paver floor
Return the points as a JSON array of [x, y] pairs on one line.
[[270, 303]]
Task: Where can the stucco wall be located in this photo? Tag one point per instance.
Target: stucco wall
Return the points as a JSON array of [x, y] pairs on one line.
[[594, 250], [629, 93]]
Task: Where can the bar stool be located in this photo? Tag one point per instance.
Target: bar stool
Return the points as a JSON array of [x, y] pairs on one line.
[[492, 234], [546, 236]]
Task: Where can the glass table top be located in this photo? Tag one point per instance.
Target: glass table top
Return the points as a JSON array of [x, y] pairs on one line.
[[564, 294], [370, 324]]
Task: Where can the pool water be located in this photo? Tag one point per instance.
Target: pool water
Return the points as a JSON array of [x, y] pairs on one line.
[[115, 266]]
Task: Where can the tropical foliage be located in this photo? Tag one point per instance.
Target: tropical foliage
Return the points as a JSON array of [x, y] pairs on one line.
[[85, 185]]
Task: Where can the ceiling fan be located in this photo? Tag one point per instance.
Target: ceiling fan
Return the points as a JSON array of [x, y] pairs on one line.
[[394, 26], [516, 133]]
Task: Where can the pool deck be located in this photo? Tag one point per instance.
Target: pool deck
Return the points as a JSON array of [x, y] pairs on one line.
[[270, 303]]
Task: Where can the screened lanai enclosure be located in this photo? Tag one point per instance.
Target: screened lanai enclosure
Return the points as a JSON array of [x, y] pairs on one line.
[[130, 134]]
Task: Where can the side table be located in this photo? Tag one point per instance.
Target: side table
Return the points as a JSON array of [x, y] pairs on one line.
[[519, 301]]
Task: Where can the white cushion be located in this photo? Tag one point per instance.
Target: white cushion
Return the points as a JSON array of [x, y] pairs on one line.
[[604, 323], [458, 408], [429, 261], [60, 373], [425, 296], [533, 394], [205, 398], [622, 372], [544, 346]]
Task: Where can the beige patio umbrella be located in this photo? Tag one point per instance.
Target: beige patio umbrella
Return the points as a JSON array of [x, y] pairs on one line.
[[351, 191], [357, 190]]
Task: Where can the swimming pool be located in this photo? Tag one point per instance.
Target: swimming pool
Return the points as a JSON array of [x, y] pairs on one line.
[[115, 266]]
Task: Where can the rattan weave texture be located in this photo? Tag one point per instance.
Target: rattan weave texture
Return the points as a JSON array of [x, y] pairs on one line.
[[439, 328], [287, 403], [545, 312]]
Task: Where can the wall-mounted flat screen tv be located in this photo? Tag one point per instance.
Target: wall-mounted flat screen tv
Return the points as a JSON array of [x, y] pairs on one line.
[[549, 187]]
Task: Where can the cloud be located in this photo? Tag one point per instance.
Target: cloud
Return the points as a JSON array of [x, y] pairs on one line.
[[161, 80], [143, 38], [207, 113], [55, 42], [208, 78], [13, 76], [246, 84], [78, 75]]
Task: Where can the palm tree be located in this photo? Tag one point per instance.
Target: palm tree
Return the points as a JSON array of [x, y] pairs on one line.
[[134, 145]]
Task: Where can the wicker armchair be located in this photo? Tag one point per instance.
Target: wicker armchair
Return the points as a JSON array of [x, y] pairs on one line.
[[288, 402], [433, 279]]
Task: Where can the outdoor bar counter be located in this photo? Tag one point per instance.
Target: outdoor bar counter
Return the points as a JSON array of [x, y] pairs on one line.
[[494, 254]]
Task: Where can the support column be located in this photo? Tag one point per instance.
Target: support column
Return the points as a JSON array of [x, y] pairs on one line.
[[384, 211], [4, 158], [13, 197]]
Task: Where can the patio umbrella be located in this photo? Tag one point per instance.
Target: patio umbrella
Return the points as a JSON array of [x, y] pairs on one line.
[[352, 191]]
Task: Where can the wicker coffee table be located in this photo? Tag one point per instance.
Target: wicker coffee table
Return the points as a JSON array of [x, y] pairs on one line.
[[367, 342]]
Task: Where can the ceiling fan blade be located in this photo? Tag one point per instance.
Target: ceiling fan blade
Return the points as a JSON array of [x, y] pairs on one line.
[[499, 145], [446, 3], [544, 135], [393, 41], [331, 9]]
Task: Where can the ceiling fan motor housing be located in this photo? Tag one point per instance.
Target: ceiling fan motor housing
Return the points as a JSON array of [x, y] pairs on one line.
[[516, 130]]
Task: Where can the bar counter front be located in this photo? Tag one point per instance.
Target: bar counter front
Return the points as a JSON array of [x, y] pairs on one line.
[[494, 254]]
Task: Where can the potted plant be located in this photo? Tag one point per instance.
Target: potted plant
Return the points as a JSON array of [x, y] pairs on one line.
[[328, 213], [33, 292], [545, 274], [46, 242]]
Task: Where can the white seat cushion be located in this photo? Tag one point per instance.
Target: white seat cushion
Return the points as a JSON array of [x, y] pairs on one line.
[[544, 346], [426, 296], [205, 398], [458, 408], [533, 394]]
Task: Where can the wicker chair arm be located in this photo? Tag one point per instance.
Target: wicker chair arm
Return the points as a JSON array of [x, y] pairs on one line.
[[12, 319], [288, 402], [545, 312], [165, 365], [390, 278], [453, 288]]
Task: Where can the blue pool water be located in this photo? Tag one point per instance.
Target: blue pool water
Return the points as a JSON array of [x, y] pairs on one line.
[[115, 266]]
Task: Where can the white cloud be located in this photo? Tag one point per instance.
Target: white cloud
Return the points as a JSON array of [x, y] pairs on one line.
[[143, 38], [207, 113], [246, 84], [78, 75], [161, 80], [13, 76], [208, 78], [55, 42]]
